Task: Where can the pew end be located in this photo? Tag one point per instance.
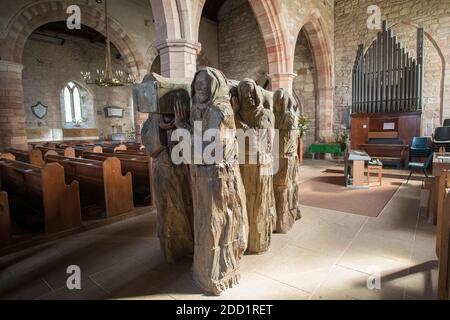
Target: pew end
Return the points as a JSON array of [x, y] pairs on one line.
[[69, 152], [61, 201], [36, 158], [118, 188], [5, 219]]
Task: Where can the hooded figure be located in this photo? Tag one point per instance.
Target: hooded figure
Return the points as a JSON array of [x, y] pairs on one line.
[[257, 122], [220, 215], [286, 181], [173, 197]]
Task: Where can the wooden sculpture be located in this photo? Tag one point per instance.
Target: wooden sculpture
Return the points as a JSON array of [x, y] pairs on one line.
[[220, 215], [286, 180], [173, 197], [255, 120]]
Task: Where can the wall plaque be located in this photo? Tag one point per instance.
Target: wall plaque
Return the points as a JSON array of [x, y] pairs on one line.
[[114, 112], [39, 110]]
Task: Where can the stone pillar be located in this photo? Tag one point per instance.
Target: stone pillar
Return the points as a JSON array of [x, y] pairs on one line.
[[282, 80], [178, 58], [12, 111], [325, 113]]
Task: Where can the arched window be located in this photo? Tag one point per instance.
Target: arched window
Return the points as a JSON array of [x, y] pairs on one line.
[[72, 103]]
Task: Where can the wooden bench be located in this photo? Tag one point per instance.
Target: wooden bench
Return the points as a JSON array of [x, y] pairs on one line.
[[20, 155], [39, 197], [131, 152], [104, 190], [443, 241], [5, 219], [140, 168]]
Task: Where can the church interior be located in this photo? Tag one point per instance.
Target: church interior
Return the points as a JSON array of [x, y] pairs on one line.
[[348, 198]]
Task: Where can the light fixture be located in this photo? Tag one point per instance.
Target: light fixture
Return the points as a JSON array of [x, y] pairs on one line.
[[108, 78]]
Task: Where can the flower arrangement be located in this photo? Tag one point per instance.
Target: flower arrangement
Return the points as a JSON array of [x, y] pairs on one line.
[[342, 138], [131, 134], [79, 122], [303, 125]]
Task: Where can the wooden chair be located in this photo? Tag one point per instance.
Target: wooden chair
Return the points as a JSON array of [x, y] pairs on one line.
[[379, 170]]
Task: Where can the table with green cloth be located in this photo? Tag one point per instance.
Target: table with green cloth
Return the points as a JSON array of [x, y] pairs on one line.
[[332, 148]]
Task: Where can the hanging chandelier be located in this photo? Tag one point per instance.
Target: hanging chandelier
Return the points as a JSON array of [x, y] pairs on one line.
[[106, 77]]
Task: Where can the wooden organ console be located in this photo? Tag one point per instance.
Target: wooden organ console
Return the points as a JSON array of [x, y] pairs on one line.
[[387, 85]]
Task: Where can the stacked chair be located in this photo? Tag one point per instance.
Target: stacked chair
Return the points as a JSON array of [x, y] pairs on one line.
[[441, 139]]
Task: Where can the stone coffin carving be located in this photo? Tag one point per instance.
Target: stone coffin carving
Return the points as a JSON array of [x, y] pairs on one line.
[[39, 110], [173, 197], [220, 215], [157, 94], [286, 180], [256, 120]]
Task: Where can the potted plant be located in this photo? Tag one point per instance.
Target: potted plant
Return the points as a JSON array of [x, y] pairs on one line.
[[303, 126]]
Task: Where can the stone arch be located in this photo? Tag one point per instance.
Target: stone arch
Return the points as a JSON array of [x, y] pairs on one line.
[[38, 14], [177, 19], [324, 81], [269, 17]]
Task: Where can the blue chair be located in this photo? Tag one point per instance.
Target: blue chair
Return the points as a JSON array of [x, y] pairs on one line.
[[420, 166], [420, 147]]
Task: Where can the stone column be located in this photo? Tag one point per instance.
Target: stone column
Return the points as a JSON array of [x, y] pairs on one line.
[[325, 104], [178, 58], [12, 111], [282, 80]]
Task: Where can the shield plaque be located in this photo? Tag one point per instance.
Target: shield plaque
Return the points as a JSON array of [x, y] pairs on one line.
[[39, 110]]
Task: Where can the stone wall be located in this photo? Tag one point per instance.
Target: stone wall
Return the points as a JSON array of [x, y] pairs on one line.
[[49, 67], [208, 37], [304, 88], [242, 53], [433, 15]]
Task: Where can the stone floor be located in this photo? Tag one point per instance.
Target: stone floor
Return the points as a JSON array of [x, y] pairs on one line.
[[327, 255]]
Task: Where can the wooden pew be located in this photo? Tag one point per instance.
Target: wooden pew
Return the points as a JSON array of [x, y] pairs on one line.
[[140, 168], [36, 158], [131, 152], [444, 255], [20, 155], [5, 219], [442, 184], [67, 152], [103, 188], [7, 156], [39, 197]]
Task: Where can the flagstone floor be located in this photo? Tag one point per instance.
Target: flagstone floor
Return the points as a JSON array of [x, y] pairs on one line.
[[327, 255]]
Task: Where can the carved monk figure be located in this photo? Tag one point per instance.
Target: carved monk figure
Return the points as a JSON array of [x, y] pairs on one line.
[[286, 180], [220, 216], [173, 197], [258, 123]]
